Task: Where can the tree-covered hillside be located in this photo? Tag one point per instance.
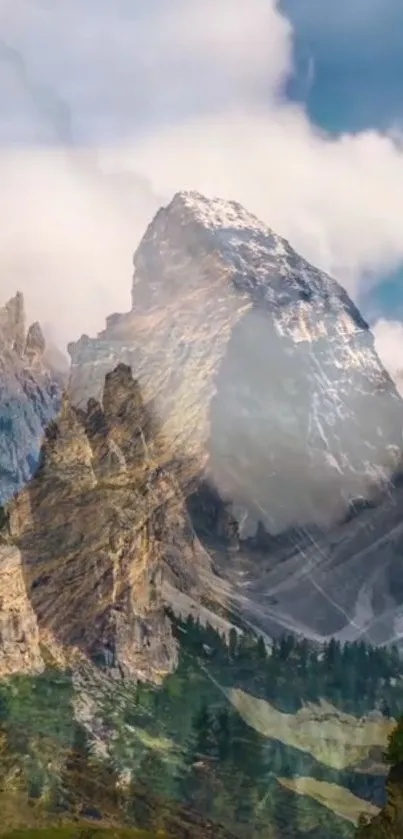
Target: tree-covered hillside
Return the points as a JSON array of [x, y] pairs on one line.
[[389, 823], [161, 758]]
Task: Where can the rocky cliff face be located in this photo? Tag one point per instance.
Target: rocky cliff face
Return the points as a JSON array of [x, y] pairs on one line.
[[103, 532], [29, 396], [19, 632], [261, 368]]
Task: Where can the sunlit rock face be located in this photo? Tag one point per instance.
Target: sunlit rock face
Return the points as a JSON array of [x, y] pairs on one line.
[[261, 369], [29, 396], [19, 633], [102, 530]]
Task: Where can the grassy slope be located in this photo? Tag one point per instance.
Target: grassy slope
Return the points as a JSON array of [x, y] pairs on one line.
[[338, 740], [341, 801]]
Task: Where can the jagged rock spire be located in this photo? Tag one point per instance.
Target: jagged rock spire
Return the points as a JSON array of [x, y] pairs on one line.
[[35, 344], [12, 324]]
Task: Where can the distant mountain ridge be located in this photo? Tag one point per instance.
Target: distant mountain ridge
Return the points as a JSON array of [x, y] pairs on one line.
[[30, 396]]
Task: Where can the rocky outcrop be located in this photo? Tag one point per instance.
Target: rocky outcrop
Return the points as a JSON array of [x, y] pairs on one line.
[[12, 325], [35, 344], [29, 396], [19, 633], [101, 528]]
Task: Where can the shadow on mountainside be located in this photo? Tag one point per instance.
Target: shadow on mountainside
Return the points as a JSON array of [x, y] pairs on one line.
[[84, 526], [103, 528], [388, 824]]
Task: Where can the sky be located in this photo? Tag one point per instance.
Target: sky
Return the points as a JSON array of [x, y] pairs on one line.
[[106, 109], [354, 58]]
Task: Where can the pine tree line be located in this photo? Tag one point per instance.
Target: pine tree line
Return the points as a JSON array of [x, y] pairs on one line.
[[355, 677]]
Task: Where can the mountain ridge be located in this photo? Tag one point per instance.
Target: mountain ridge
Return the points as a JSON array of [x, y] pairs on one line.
[[30, 395]]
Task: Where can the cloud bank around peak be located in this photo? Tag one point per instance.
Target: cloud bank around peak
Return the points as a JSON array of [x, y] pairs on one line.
[[190, 96], [389, 346], [67, 237]]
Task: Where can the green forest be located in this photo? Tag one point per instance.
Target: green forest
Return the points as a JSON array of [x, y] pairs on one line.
[[389, 823], [187, 749], [355, 677]]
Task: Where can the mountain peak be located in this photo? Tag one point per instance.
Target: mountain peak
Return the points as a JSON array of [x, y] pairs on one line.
[[261, 264], [35, 344], [29, 345], [12, 323], [16, 303], [29, 395], [218, 213], [240, 236], [259, 365]]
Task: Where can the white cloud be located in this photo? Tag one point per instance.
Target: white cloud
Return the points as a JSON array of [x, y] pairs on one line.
[[125, 65], [245, 45], [389, 346], [67, 235], [340, 202], [189, 97]]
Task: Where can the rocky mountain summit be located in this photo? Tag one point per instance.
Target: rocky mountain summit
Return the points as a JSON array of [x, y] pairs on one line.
[[30, 396], [260, 367], [265, 380]]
